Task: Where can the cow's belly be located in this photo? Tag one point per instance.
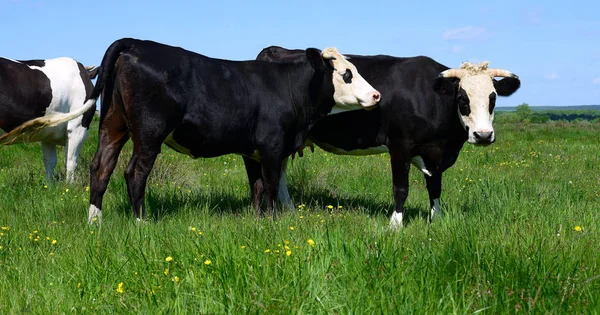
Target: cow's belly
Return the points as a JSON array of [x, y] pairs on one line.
[[200, 145], [357, 151]]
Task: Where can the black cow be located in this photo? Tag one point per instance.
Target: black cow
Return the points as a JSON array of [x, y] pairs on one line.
[[427, 114], [31, 90], [205, 107]]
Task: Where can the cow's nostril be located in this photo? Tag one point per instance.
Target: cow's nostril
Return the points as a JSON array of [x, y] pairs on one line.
[[376, 96], [483, 135]]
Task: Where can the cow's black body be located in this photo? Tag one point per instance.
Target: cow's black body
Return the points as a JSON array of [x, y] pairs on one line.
[[417, 117], [203, 107]]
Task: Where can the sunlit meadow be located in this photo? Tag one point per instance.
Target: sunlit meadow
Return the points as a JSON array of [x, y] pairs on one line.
[[520, 234]]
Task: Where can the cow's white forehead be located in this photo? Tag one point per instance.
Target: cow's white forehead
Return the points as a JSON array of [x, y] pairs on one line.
[[477, 81], [340, 63], [479, 85]]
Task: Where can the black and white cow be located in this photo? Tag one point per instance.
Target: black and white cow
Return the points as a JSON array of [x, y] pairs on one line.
[[205, 107], [427, 113], [31, 89]]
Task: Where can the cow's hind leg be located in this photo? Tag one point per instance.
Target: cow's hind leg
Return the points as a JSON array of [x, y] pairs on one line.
[[253, 170], [112, 137], [49, 156], [136, 176], [76, 135]]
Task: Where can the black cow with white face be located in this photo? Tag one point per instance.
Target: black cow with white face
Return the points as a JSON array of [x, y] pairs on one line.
[[31, 90], [427, 113], [205, 107]]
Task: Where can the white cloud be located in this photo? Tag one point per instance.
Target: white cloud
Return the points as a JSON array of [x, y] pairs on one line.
[[464, 33], [457, 49], [552, 76], [596, 81]]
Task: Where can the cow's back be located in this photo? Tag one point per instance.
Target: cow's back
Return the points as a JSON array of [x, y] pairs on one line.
[[216, 105]]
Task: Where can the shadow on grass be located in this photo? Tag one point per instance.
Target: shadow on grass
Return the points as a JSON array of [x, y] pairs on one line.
[[370, 206], [169, 202]]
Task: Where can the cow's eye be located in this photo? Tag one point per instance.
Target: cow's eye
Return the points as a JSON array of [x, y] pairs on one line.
[[462, 100], [347, 76], [492, 102]]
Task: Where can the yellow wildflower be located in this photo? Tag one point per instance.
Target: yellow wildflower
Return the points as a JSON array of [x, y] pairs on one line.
[[292, 228], [166, 272], [267, 250], [120, 288], [175, 279], [207, 262], [67, 190], [54, 242], [329, 207], [6, 228], [311, 242], [168, 259], [243, 247], [578, 228], [286, 242]]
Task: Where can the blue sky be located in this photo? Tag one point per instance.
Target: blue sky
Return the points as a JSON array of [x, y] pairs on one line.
[[554, 46]]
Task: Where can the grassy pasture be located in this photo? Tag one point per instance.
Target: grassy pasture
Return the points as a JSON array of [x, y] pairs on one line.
[[520, 234]]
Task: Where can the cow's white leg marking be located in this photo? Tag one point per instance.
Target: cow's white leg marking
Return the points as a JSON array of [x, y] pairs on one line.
[[396, 220], [283, 194], [420, 164], [436, 211], [76, 134], [94, 215], [49, 155]]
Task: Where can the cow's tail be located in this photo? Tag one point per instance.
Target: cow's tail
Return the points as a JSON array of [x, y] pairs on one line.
[[28, 129]]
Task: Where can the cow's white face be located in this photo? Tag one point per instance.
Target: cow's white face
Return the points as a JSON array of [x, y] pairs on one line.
[[476, 96], [476, 100], [351, 90]]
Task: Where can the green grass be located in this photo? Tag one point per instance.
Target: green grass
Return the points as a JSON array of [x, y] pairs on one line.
[[506, 244]]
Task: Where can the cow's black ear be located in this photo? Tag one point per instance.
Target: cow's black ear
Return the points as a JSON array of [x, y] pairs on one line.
[[444, 86], [507, 86], [316, 59]]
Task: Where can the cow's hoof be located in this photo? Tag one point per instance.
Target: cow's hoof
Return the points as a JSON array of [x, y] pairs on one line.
[[396, 221]]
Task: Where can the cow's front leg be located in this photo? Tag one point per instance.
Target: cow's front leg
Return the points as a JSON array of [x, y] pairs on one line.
[[434, 188], [284, 194], [400, 170], [254, 172], [271, 171]]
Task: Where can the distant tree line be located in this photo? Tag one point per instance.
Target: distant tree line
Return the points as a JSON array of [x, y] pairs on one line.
[[525, 114]]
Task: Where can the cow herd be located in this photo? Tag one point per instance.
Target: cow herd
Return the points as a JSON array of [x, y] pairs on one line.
[[417, 110]]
